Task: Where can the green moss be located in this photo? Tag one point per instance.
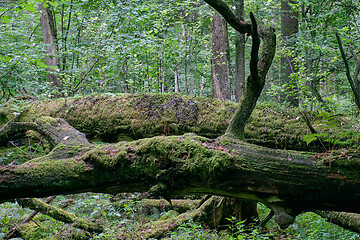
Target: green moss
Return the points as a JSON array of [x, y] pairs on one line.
[[195, 153], [344, 162], [106, 156], [46, 120], [40, 168], [277, 128], [32, 231], [114, 118]]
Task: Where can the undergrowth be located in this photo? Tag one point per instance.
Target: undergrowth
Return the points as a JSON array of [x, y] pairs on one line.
[[122, 216]]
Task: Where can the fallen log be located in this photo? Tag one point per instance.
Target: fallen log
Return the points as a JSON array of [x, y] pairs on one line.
[[60, 215], [346, 220], [113, 118], [179, 205], [14, 231], [286, 181]]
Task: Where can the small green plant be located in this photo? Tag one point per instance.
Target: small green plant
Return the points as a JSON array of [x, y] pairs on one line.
[[192, 231], [240, 230], [329, 122]]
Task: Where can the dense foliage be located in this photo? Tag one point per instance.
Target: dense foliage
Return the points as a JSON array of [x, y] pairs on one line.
[[164, 46]]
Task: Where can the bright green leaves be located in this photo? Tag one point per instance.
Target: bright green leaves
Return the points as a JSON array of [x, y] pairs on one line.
[[5, 58], [50, 3], [29, 7], [334, 130], [40, 63], [309, 138], [53, 3], [5, 19]]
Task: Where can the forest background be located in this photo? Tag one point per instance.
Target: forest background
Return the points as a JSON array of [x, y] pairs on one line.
[[75, 48], [166, 46]]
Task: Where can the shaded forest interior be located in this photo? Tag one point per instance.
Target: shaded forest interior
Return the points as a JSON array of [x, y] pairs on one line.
[[181, 99]]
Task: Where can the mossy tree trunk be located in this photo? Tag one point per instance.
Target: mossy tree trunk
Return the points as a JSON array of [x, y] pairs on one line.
[[287, 181]]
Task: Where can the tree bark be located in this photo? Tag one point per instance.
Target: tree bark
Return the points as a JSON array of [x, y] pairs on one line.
[[50, 39], [229, 16], [289, 28], [356, 72], [259, 67], [228, 207], [239, 54], [220, 65]]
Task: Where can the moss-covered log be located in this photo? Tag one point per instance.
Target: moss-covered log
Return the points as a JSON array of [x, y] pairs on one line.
[[346, 220], [113, 118], [287, 181], [179, 205], [121, 117], [60, 214], [210, 207], [16, 229]]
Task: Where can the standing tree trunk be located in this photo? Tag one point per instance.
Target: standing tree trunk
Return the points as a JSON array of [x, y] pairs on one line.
[[50, 39], [220, 66], [239, 53], [228, 207], [289, 27]]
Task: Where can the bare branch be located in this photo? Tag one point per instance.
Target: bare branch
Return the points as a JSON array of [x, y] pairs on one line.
[[351, 82]]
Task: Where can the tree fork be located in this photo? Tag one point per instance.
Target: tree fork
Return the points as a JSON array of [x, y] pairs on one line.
[[259, 66]]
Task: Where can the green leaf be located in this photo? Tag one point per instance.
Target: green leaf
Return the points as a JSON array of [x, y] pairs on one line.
[[5, 58], [309, 138], [53, 67], [5, 19], [40, 64], [29, 7], [54, 4], [45, 5]]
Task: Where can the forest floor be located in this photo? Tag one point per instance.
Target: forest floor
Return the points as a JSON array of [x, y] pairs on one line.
[[123, 215]]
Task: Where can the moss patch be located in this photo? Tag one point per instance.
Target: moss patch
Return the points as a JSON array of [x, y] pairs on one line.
[[66, 169], [194, 153]]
